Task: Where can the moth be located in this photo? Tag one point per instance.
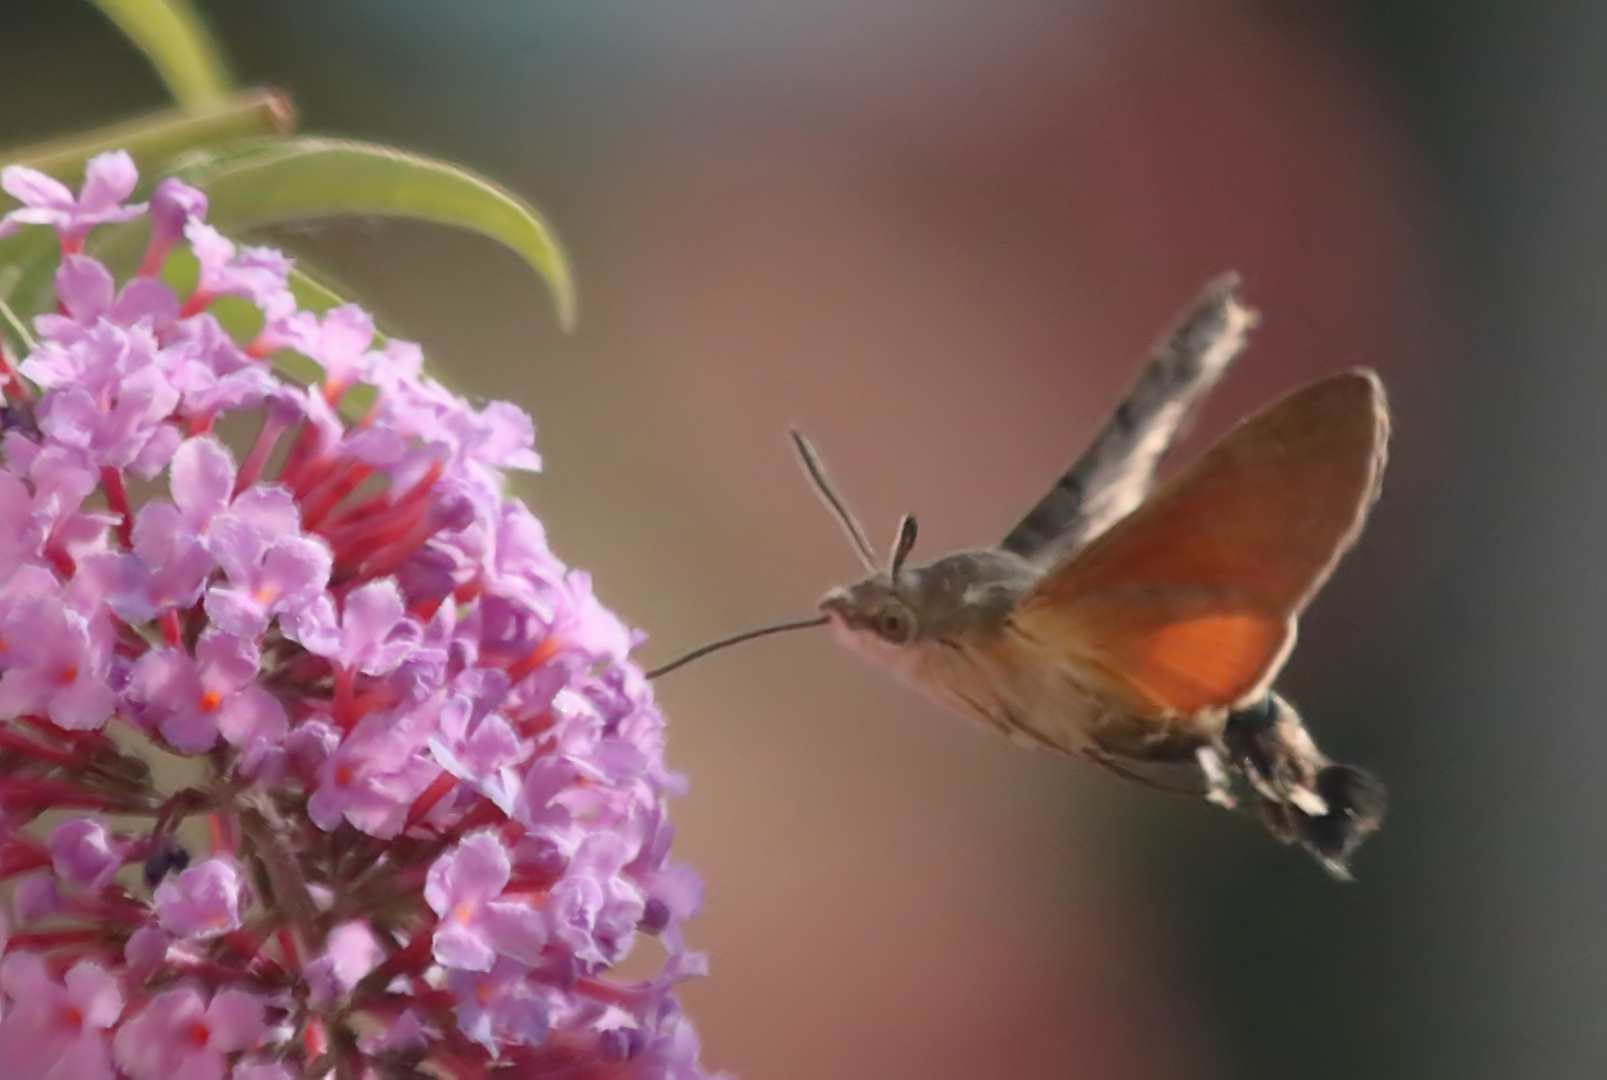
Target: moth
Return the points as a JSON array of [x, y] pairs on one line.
[[1134, 625]]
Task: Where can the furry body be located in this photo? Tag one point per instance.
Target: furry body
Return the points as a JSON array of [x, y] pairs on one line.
[[969, 655]]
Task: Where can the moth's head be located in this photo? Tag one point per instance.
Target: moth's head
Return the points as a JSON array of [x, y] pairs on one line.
[[964, 598], [872, 607], [880, 611]]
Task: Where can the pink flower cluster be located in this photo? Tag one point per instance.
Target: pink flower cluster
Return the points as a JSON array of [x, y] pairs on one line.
[[314, 761]]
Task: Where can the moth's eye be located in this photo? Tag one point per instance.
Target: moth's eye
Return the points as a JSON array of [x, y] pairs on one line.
[[896, 625]]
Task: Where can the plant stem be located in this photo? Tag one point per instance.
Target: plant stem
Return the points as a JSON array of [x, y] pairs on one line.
[[157, 137]]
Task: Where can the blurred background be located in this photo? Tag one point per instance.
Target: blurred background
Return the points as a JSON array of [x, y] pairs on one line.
[[939, 235]]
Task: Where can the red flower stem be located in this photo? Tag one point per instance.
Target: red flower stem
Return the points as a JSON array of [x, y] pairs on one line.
[[411, 959], [324, 497], [15, 389], [19, 857], [48, 729], [21, 792], [443, 783], [257, 459], [117, 498], [345, 686], [608, 993], [50, 939], [546, 650], [287, 945], [52, 755], [155, 255], [299, 458], [59, 560], [198, 302]]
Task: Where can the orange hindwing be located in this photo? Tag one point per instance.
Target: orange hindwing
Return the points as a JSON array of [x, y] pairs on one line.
[[1190, 602]]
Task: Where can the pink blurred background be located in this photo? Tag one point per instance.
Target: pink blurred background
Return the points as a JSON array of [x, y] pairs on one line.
[[940, 236]]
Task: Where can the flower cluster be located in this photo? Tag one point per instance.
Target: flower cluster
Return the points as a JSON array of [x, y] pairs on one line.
[[314, 761]]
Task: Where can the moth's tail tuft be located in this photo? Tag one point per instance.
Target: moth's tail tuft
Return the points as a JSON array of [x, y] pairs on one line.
[[1355, 809], [1328, 809]]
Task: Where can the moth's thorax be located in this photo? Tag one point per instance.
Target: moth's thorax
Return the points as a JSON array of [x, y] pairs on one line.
[[997, 680], [946, 630]]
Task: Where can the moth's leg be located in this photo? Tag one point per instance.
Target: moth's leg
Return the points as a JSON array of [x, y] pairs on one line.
[[1104, 760], [1250, 740], [1217, 787]]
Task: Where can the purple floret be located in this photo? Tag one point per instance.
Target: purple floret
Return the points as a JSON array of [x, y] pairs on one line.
[[314, 758], [109, 179], [201, 902]]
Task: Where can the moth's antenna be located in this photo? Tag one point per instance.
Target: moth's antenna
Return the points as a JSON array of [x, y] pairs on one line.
[[736, 639], [902, 546], [834, 502]]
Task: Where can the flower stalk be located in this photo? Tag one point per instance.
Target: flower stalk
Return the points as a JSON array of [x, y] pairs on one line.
[[162, 136]]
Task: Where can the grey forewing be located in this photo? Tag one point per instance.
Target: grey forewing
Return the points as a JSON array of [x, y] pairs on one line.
[[1114, 474], [968, 596]]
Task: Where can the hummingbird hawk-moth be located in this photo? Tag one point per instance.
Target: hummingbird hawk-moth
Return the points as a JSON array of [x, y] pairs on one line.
[[1135, 627]]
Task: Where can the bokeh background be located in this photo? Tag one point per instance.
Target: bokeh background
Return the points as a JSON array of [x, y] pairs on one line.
[[939, 234]]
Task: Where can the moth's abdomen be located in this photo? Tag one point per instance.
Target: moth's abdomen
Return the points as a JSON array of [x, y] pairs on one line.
[[1009, 687], [1040, 698], [1048, 701]]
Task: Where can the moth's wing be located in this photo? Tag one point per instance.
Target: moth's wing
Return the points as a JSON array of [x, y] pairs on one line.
[[1113, 475], [1190, 602]]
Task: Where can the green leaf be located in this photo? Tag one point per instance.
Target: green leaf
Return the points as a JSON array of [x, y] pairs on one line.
[[314, 291], [317, 178], [28, 262], [177, 44]]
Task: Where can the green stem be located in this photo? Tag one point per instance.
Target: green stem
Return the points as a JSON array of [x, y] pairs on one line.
[[177, 44], [158, 137]]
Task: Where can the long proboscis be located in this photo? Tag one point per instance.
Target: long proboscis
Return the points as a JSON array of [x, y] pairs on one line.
[[737, 639]]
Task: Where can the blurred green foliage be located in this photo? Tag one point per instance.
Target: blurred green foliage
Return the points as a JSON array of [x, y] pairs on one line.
[[242, 150]]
